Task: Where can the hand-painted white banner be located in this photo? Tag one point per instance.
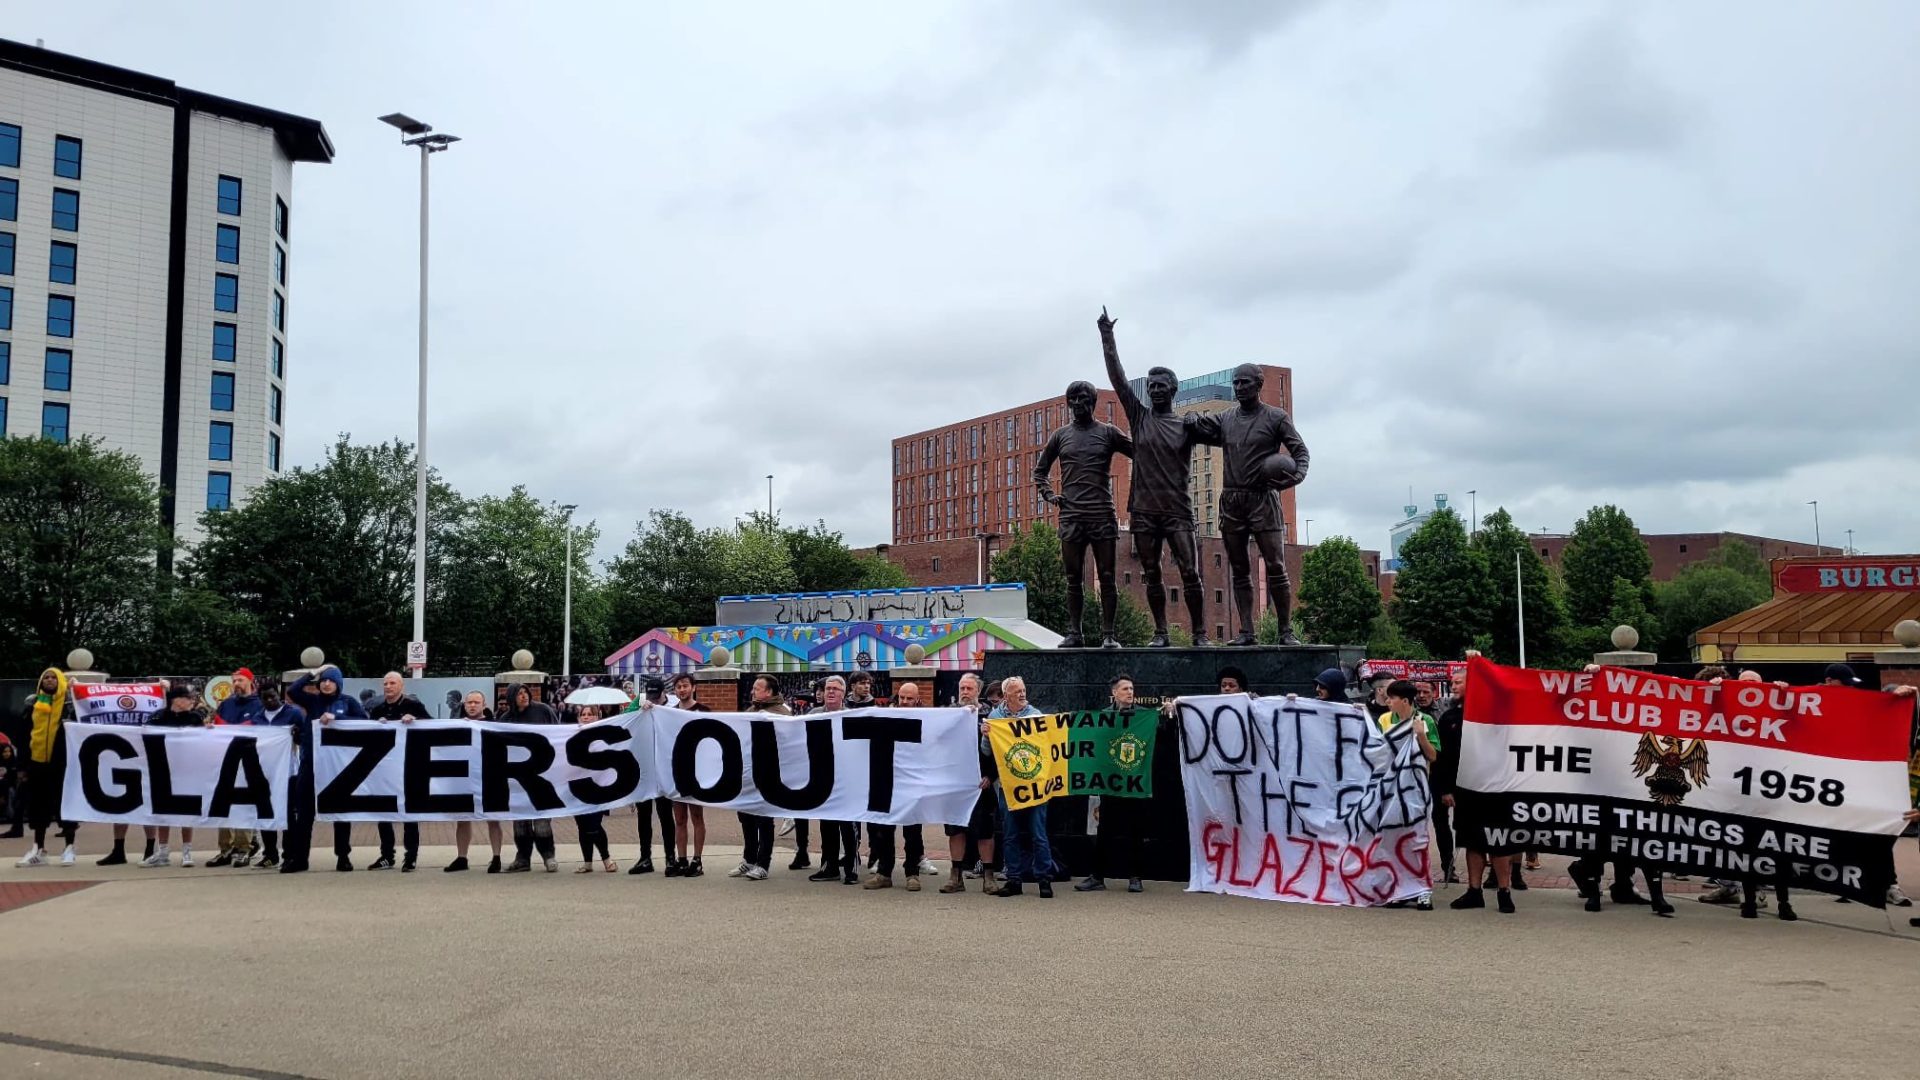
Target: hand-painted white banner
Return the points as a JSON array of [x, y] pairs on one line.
[[890, 766], [226, 777], [118, 703], [459, 770], [1303, 800]]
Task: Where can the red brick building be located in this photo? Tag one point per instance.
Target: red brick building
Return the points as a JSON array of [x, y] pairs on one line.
[[1673, 551]]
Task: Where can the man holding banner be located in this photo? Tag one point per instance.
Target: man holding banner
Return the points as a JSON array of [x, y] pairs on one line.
[[1117, 769], [1030, 747]]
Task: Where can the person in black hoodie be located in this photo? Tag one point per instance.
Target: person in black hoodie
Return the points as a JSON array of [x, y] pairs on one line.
[[396, 705], [276, 711], [529, 835], [318, 694]]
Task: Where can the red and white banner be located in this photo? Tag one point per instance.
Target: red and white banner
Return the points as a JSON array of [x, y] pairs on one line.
[[1416, 670], [117, 702], [1745, 780]]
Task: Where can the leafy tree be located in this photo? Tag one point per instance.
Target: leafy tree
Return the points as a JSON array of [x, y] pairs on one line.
[[1605, 545], [1742, 558], [196, 630], [1339, 600], [1500, 541], [1701, 595], [324, 556], [1629, 609], [502, 587], [878, 573], [1131, 623], [1032, 556], [668, 575], [1442, 595], [754, 559], [1387, 642], [79, 528]]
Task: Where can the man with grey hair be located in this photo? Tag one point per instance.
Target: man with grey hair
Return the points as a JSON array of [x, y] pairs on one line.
[[979, 826], [1029, 851], [839, 848]]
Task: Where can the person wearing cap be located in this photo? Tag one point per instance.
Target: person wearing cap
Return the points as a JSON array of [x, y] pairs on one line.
[[1331, 685], [644, 812], [178, 712], [241, 708]]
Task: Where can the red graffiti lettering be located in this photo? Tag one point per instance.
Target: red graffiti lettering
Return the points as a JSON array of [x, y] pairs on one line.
[[1306, 853], [1411, 851]]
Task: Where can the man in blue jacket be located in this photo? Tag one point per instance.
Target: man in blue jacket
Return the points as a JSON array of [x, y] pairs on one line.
[[318, 694]]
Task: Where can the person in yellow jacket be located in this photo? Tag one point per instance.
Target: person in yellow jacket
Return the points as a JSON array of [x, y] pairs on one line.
[[45, 769]]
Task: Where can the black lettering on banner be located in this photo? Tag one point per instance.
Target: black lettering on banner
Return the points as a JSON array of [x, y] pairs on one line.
[[243, 756], [370, 746], [1193, 748], [420, 768], [127, 799], [160, 778], [585, 751], [766, 766], [686, 750], [497, 770], [884, 731]]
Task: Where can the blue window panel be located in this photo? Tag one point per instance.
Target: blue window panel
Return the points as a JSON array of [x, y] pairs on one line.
[[3, 418], [6, 253], [6, 308], [219, 491], [280, 265], [228, 198], [9, 199], [220, 441], [226, 243], [53, 421], [273, 442], [225, 338], [6, 362], [222, 392], [279, 313], [226, 292], [66, 210], [273, 403], [63, 263], [280, 217], [59, 316], [10, 145], [66, 156], [59, 369], [279, 359]]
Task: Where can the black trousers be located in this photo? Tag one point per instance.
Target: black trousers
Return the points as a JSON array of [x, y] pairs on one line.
[[593, 834], [409, 836], [1443, 833], [528, 835], [758, 832], [839, 845], [880, 838], [1123, 837], [300, 814], [801, 832], [663, 807]]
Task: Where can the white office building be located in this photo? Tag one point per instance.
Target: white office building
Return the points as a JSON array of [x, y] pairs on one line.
[[146, 253]]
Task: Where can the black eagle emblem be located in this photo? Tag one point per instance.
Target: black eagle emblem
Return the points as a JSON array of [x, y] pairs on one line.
[[1677, 767]]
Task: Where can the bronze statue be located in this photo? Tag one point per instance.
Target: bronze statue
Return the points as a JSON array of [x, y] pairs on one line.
[[1159, 506], [1085, 449], [1264, 456]]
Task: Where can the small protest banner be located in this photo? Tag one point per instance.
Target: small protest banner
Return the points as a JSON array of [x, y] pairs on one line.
[[225, 777], [1031, 754], [126, 704], [1302, 800], [1803, 786], [1110, 753]]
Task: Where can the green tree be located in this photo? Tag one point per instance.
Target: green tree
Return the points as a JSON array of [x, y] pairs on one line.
[[324, 556], [1742, 558], [1501, 542], [502, 586], [1339, 600], [1032, 556], [1630, 609], [878, 573], [79, 529], [1442, 595], [668, 575], [196, 630], [1387, 642], [1699, 596], [754, 559], [1605, 545], [1131, 624]]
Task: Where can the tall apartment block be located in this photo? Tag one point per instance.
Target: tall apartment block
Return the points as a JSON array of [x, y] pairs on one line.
[[146, 250]]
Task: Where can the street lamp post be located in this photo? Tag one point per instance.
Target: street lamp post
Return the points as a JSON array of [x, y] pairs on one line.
[[1473, 507], [1815, 503], [415, 133], [769, 500], [1308, 538], [566, 604]]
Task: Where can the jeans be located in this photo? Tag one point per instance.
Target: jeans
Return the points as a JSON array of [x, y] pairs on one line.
[[758, 831], [1028, 851], [880, 840], [839, 847], [528, 835], [409, 836]]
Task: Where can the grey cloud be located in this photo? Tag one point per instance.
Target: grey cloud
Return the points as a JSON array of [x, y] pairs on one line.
[[1289, 259], [1602, 97], [1603, 293], [1223, 27]]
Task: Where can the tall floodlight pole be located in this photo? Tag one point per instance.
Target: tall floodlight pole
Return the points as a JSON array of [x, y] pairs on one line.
[[1815, 503], [566, 605], [415, 133], [1520, 607]]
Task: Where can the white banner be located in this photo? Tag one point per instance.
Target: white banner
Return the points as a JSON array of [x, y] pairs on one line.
[[127, 704], [459, 770], [226, 777], [890, 766], [1302, 800]]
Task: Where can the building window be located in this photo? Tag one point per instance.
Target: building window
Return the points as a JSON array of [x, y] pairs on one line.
[[279, 313], [228, 199], [9, 199], [280, 266], [6, 253], [1216, 557], [1220, 631], [225, 337], [59, 316], [220, 441], [1175, 594], [53, 421], [1683, 549], [66, 210], [1218, 598], [59, 369], [219, 491], [63, 263], [6, 308], [222, 392], [280, 217], [279, 359], [6, 368], [273, 403], [10, 145], [1129, 576], [273, 451], [226, 243], [3, 418], [1543, 553], [936, 564], [226, 292], [66, 156]]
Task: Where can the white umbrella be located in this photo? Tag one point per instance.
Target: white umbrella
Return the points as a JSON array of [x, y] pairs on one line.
[[599, 695]]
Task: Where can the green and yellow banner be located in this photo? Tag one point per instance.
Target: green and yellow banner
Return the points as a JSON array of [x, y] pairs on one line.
[[1085, 753]]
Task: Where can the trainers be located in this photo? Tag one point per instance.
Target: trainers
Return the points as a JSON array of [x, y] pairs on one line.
[[1472, 898], [1425, 902], [517, 867], [741, 870], [242, 859], [675, 868], [644, 866], [913, 883], [849, 876], [786, 826], [877, 882], [225, 858], [116, 857], [268, 863], [160, 857], [825, 873], [1722, 894], [1504, 901], [68, 857], [342, 864], [553, 866], [693, 868], [756, 873], [1046, 889], [1091, 884], [954, 885], [800, 862], [406, 866], [186, 855], [1133, 885], [458, 864], [32, 857], [1895, 898], [384, 862], [493, 865]]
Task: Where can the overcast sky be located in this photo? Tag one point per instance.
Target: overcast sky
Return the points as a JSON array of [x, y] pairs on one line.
[[1663, 255]]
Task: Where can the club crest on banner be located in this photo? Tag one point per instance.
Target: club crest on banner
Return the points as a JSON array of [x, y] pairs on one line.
[[1678, 766], [1025, 760], [1127, 751]]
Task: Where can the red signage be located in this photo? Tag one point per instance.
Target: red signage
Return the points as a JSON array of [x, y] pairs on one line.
[[1848, 575]]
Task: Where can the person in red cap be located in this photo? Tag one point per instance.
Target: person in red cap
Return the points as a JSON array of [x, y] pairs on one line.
[[241, 707]]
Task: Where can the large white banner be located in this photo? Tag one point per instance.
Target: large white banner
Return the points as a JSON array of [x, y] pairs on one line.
[[459, 770], [1302, 800], [228, 777], [891, 766]]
